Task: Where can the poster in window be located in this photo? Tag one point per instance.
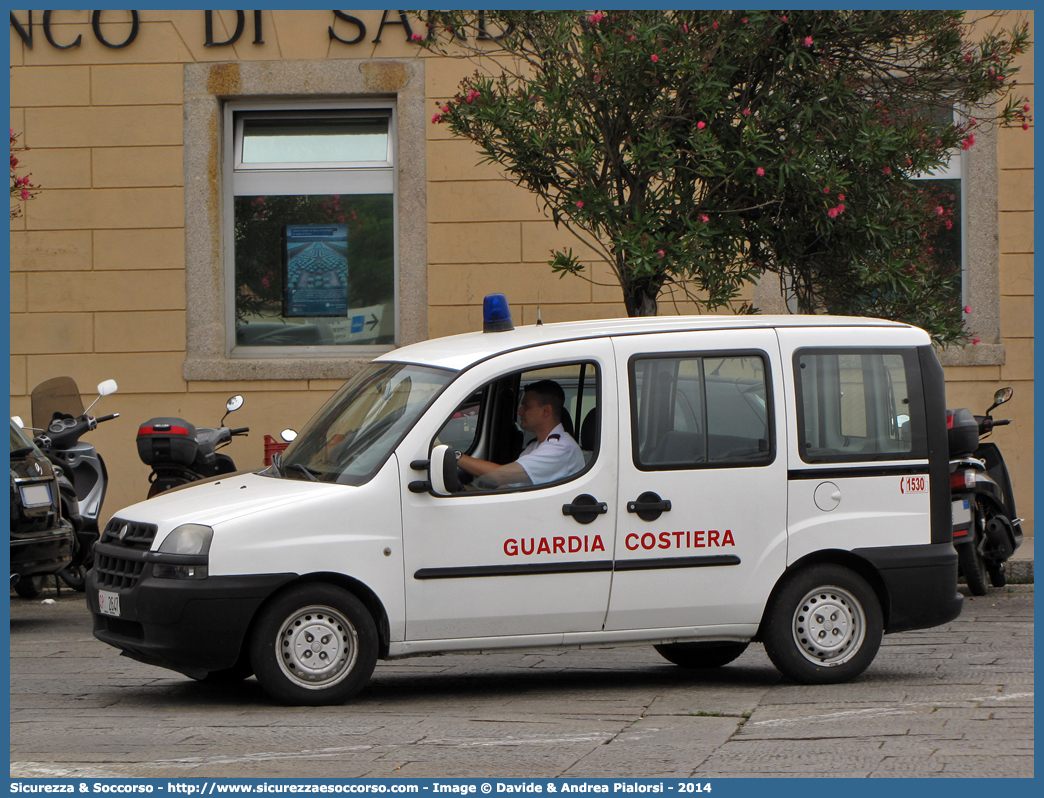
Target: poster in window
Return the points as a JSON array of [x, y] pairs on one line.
[[315, 258]]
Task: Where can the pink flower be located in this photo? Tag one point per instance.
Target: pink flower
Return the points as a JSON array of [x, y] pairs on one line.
[[445, 109], [841, 208], [808, 41], [949, 225], [579, 203], [826, 190], [473, 95], [783, 19], [655, 58], [967, 58], [939, 210], [760, 172], [966, 309], [968, 143], [841, 197], [265, 282], [685, 28], [416, 37], [832, 213], [1026, 108], [436, 119], [25, 194], [1025, 126], [887, 170], [746, 112], [595, 18], [744, 20], [975, 340], [701, 125], [704, 218], [660, 253], [715, 26], [597, 78]]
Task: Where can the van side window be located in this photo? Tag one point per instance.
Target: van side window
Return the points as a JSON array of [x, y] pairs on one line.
[[859, 406], [692, 411]]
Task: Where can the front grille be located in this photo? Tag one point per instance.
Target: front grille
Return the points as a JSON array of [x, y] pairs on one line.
[[114, 571], [117, 572], [137, 535]]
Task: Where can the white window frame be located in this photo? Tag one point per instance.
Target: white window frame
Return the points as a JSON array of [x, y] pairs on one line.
[[366, 177]]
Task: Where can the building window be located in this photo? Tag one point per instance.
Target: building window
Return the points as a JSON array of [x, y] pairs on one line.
[[320, 131], [312, 229]]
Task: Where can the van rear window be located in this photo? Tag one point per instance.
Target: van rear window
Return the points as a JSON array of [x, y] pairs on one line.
[[859, 405]]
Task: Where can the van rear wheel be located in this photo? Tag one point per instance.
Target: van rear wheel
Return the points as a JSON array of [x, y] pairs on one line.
[[701, 655], [824, 625], [314, 645]]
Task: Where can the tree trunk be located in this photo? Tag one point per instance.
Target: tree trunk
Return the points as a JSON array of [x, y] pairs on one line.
[[640, 300]]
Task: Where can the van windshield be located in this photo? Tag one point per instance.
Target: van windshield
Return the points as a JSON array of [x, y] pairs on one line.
[[355, 431]]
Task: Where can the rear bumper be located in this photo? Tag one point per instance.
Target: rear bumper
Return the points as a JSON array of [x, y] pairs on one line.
[[921, 583], [43, 553], [187, 625]]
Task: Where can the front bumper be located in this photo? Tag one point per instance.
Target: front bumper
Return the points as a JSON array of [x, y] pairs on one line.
[[192, 626], [921, 582]]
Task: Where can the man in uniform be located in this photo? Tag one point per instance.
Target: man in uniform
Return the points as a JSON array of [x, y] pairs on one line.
[[552, 456]]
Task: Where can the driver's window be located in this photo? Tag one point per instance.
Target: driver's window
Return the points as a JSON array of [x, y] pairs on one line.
[[488, 427]]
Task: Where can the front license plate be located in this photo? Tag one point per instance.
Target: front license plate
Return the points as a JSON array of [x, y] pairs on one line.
[[35, 495], [109, 603]]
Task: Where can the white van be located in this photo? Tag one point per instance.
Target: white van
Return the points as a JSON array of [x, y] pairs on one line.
[[773, 479]]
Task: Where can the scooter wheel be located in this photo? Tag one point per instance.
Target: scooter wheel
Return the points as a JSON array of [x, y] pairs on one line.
[[314, 645], [973, 567], [824, 625], [29, 586]]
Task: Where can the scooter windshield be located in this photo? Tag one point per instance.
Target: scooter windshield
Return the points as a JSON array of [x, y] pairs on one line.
[[57, 395], [355, 431]]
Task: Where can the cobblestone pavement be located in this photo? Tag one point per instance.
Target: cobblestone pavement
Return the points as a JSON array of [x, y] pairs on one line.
[[952, 701]]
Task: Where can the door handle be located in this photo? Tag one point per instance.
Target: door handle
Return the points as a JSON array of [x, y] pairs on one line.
[[649, 506], [585, 508]]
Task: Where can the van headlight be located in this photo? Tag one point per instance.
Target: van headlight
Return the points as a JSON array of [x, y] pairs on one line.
[[184, 553]]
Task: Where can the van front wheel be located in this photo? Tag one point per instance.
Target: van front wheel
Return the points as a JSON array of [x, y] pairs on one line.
[[824, 625], [315, 645]]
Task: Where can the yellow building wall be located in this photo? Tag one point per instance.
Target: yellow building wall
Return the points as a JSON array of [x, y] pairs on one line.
[[97, 259]]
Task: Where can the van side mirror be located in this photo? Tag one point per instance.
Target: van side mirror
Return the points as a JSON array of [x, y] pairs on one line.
[[442, 471], [288, 435]]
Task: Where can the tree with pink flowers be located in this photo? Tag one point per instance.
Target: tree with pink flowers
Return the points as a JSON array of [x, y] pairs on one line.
[[22, 187], [702, 150]]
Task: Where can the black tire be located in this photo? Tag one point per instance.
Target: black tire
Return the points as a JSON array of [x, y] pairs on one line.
[[29, 587], [973, 567], [811, 646], [998, 574], [282, 646], [75, 576], [701, 655]]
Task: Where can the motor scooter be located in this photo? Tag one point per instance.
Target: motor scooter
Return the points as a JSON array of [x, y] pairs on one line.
[[59, 421], [180, 453], [986, 531]]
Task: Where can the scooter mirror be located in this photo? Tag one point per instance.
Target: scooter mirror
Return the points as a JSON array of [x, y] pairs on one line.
[[1002, 396], [18, 420], [234, 403], [288, 435], [106, 388]]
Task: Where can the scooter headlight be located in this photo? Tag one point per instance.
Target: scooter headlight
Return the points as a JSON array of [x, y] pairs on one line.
[[187, 547]]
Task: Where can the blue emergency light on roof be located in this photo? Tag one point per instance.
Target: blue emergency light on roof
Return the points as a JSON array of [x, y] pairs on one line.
[[496, 315]]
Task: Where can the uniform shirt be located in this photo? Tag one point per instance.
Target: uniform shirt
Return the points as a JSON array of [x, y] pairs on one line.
[[556, 458]]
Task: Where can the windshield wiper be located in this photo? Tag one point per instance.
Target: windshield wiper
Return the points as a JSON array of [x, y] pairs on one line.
[[277, 461], [308, 472]]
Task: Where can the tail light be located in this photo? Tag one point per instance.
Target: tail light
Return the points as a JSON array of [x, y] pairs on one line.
[[959, 481]]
